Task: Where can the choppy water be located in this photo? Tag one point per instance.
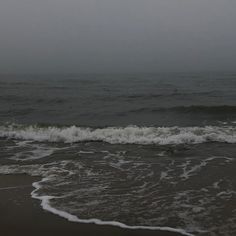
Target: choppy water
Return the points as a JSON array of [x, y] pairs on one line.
[[151, 151]]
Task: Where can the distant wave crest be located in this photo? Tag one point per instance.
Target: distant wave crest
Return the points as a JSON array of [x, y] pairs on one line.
[[191, 109], [122, 135]]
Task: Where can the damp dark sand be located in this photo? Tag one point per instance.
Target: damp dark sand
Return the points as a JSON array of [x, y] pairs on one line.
[[22, 215]]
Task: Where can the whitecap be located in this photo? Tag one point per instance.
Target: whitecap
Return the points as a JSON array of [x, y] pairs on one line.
[[125, 135]]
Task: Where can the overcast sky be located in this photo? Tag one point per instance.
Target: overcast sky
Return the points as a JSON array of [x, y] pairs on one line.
[[70, 36]]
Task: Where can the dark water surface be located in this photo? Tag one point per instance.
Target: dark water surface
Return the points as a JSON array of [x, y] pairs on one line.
[[119, 100], [144, 150]]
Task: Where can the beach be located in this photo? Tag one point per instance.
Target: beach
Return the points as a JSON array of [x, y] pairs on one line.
[[22, 215], [117, 118]]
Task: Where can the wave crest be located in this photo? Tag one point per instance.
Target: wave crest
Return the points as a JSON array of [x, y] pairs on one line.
[[119, 135]]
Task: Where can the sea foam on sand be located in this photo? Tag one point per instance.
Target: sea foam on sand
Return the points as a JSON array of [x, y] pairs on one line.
[[45, 203]]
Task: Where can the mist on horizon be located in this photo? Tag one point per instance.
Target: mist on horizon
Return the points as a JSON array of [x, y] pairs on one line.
[[99, 36]]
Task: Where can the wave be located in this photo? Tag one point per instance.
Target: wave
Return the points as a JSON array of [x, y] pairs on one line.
[[22, 99], [122, 135], [191, 109]]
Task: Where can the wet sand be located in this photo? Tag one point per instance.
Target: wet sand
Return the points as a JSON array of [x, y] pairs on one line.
[[22, 215]]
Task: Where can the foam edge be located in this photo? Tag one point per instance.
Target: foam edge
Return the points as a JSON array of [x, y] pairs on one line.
[[45, 203]]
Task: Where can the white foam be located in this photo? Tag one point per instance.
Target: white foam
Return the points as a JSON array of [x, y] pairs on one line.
[[126, 135], [187, 173], [195, 168], [216, 184], [45, 203], [38, 153], [164, 175], [226, 193]]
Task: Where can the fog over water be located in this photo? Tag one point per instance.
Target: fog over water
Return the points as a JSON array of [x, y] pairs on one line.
[[70, 36], [125, 110]]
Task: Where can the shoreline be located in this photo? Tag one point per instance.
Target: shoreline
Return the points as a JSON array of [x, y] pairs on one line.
[[22, 214]]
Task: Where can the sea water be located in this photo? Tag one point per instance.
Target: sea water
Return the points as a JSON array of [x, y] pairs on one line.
[[154, 151]]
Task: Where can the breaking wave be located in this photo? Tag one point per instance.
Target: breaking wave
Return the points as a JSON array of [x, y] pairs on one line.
[[122, 135]]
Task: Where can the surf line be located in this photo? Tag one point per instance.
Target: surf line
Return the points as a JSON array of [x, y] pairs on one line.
[[45, 204]]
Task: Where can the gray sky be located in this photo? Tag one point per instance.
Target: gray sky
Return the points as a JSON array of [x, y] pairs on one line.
[[69, 36]]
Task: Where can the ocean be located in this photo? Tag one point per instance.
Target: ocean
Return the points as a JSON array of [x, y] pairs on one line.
[[153, 151]]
